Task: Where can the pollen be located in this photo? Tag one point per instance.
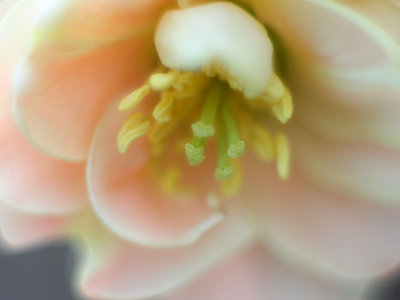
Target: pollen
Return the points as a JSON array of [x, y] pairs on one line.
[[189, 111]]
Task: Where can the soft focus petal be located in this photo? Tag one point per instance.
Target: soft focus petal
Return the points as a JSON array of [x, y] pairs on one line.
[[29, 180], [255, 274], [59, 103], [340, 235], [21, 230], [343, 111], [223, 34], [343, 38], [115, 269], [70, 28], [360, 170], [126, 199]]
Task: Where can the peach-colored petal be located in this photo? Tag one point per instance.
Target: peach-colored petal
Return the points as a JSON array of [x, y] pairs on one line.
[[255, 274], [29, 180], [21, 230], [58, 104], [223, 34], [360, 170], [71, 28], [336, 235], [114, 269], [130, 203]]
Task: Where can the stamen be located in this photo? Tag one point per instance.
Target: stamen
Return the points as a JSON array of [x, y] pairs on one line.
[[283, 156], [204, 128], [262, 143], [164, 109], [235, 144], [275, 90], [194, 150], [171, 179], [224, 170], [161, 81], [284, 109], [133, 128], [134, 98]]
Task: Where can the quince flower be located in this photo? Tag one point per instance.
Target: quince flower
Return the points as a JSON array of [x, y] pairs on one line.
[[183, 145]]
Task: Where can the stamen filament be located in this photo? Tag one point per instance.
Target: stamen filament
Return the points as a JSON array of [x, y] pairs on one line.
[[235, 144], [283, 110], [134, 98], [204, 128], [224, 170]]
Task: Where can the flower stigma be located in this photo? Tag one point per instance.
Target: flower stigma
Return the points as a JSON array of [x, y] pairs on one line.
[[215, 88]]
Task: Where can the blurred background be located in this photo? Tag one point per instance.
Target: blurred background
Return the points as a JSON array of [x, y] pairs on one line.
[[44, 274]]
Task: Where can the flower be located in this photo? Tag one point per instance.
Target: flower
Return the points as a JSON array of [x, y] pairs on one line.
[[104, 102]]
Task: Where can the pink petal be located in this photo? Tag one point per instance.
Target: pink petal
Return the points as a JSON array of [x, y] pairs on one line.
[[59, 103], [126, 199], [128, 271], [254, 274], [360, 170], [337, 235], [21, 230]]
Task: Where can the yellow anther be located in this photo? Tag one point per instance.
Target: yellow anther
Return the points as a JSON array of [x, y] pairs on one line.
[[262, 143], [275, 90], [133, 99], [133, 128], [234, 84], [161, 81], [164, 109], [283, 110], [282, 156]]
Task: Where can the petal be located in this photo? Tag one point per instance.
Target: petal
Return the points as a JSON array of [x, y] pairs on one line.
[[344, 38], [58, 104], [195, 38], [70, 28], [29, 180], [255, 274], [21, 230], [129, 200], [335, 235], [34, 182], [360, 170], [342, 111], [111, 268]]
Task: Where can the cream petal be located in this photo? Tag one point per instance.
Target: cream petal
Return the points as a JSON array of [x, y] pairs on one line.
[[345, 111], [59, 103], [21, 230], [344, 38], [220, 34], [128, 199], [328, 233], [360, 170], [255, 274], [114, 269]]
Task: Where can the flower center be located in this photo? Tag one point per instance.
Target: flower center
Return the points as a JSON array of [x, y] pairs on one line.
[[211, 101]]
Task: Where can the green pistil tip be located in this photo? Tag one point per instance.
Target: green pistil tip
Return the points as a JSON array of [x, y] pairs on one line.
[[223, 173], [195, 151], [236, 150], [202, 130]]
